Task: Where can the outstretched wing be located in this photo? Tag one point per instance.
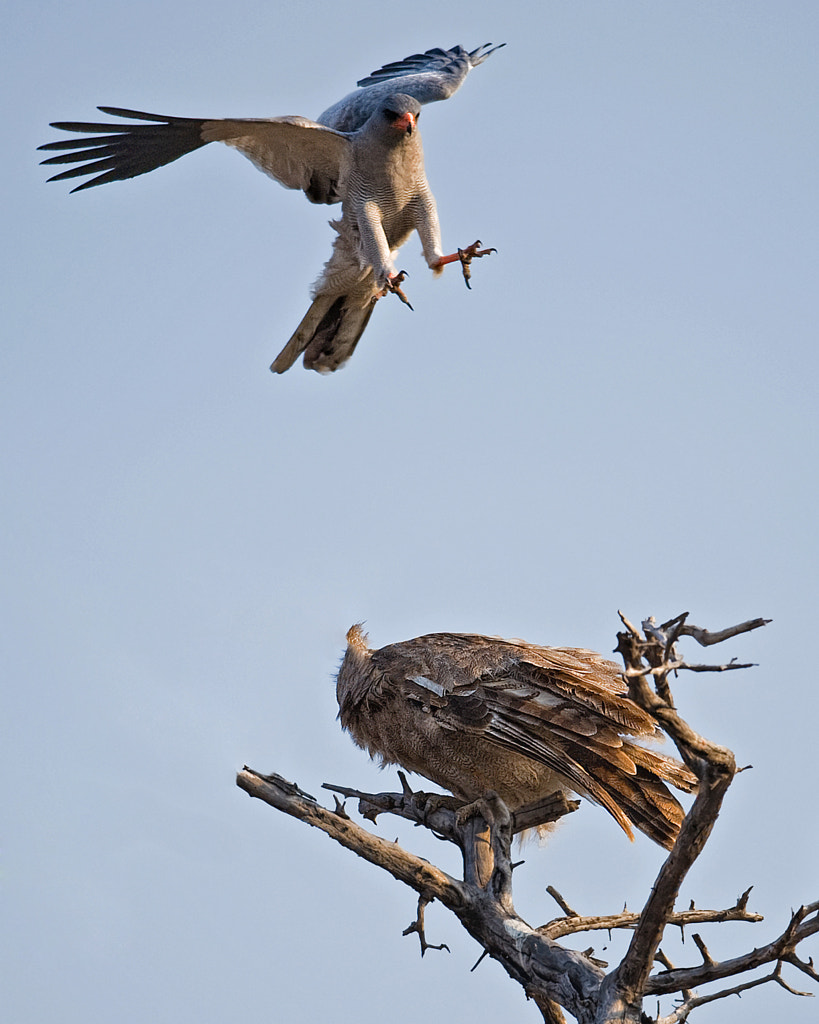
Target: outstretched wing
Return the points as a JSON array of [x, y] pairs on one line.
[[427, 77], [298, 153]]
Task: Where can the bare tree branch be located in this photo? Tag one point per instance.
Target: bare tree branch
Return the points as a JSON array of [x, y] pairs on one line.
[[705, 637], [546, 970], [803, 923], [435, 811], [691, 1002], [574, 922], [684, 666], [715, 768], [427, 880]]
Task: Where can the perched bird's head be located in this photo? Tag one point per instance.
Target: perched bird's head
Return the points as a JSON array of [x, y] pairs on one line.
[[354, 675], [357, 639]]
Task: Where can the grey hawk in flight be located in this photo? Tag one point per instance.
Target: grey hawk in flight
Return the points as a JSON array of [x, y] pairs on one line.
[[363, 152]]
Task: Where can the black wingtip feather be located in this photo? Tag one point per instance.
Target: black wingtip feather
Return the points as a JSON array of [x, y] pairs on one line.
[[123, 150], [436, 59], [139, 115]]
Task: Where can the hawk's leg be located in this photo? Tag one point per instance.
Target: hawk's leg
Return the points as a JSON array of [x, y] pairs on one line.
[[465, 256]]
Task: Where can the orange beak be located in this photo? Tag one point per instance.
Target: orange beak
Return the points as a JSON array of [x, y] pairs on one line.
[[404, 123]]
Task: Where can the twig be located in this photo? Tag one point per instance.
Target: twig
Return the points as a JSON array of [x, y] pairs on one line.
[[417, 926], [564, 906], [706, 956]]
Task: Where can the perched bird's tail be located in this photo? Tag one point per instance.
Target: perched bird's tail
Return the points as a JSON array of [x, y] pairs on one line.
[[643, 798], [328, 334]]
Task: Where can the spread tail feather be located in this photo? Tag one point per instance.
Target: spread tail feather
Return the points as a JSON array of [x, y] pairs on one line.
[[303, 334], [327, 335], [648, 805], [637, 795], [643, 798]]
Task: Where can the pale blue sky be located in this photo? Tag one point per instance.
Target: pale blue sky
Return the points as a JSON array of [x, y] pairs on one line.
[[622, 413]]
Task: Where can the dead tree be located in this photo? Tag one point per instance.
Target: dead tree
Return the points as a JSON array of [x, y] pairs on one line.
[[552, 975]]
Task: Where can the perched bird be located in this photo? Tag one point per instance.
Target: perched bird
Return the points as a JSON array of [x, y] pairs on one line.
[[364, 152], [477, 714]]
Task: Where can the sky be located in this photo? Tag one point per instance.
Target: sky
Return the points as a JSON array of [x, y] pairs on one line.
[[621, 414]]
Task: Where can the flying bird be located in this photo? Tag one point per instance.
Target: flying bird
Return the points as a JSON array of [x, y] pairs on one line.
[[363, 152], [476, 714]]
